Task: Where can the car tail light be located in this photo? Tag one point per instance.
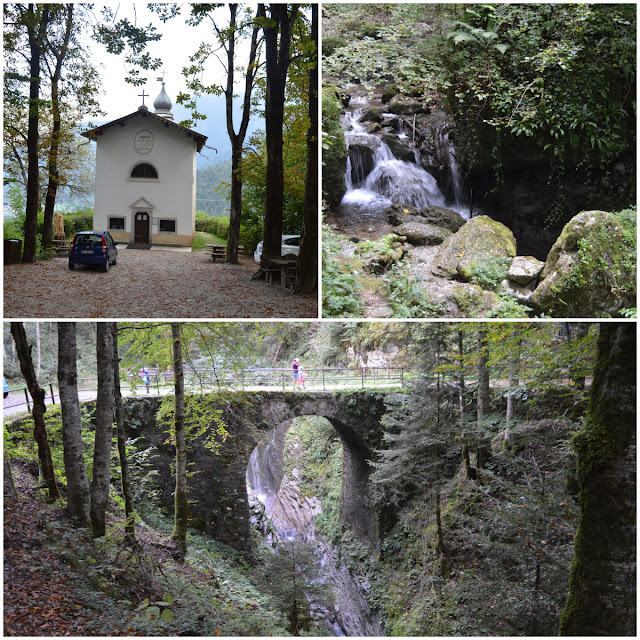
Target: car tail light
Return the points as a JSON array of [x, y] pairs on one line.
[[104, 248]]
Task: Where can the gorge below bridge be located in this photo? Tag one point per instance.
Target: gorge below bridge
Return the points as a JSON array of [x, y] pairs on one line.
[[219, 504]]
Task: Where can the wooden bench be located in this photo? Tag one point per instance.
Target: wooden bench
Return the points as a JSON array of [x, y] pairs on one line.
[[220, 250]]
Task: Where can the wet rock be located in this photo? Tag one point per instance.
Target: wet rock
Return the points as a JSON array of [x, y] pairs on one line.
[[372, 114], [477, 240], [524, 270], [399, 214], [442, 217], [590, 270], [403, 107], [419, 234], [400, 150], [389, 92]]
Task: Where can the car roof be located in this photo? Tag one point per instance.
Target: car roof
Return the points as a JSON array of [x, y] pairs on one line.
[[95, 233]]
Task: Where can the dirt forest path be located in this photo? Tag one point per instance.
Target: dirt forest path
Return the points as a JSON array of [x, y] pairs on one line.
[[148, 284]]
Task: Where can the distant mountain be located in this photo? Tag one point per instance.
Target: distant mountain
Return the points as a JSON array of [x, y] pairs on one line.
[[208, 179]]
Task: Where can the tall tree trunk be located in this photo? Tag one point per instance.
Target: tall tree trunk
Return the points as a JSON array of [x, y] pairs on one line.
[[483, 376], [461, 386], [307, 266], [277, 59], [78, 492], [104, 429], [129, 512], [237, 139], [38, 394], [181, 504], [514, 379], [38, 350], [36, 29], [54, 177], [602, 586]]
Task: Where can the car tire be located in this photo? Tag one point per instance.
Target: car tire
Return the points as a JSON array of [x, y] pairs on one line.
[[71, 266], [106, 266]]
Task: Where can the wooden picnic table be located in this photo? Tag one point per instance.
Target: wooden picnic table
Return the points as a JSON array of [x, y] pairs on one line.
[[282, 266], [220, 250]]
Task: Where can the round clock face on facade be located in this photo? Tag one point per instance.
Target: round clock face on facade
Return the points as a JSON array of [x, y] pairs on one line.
[[143, 142]]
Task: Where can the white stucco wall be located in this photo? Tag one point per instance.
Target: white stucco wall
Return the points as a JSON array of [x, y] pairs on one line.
[[171, 196]]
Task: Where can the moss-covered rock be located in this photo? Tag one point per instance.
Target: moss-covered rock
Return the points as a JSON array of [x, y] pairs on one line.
[[479, 239], [591, 269], [334, 153]]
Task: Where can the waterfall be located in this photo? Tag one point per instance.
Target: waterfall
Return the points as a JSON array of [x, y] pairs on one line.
[[376, 179]]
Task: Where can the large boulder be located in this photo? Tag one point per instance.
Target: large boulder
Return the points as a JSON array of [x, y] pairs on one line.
[[480, 238], [591, 269]]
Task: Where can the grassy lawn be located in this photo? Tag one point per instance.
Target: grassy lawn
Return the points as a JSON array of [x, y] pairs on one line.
[[202, 239]]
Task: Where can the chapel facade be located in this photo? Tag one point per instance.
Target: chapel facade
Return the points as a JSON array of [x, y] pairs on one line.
[[145, 189]]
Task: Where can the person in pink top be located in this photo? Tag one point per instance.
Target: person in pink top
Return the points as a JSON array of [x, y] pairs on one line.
[[295, 367]]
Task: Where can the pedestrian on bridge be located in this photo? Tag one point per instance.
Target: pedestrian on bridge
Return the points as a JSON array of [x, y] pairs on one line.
[[295, 366], [144, 374]]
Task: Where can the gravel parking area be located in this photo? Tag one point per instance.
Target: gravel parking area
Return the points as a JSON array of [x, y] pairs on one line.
[[148, 284]]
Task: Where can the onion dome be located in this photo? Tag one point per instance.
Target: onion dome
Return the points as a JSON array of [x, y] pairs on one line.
[[163, 105]]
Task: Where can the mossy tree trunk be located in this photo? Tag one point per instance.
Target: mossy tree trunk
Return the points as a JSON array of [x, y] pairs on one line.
[[23, 351], [602, 586], [78, 492], [129, 526], [181, 515], [104, 429], [483, 376]]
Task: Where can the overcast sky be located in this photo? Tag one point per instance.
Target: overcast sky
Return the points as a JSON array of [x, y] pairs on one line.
[[178, 42]]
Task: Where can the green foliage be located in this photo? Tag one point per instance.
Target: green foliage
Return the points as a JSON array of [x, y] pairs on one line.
[[407, 297], [490, 272], [340, 289], [318, 457], [294, 576], [218, 226], [552, 84]]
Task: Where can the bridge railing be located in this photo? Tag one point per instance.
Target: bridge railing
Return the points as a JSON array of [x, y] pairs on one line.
[[202, 380]]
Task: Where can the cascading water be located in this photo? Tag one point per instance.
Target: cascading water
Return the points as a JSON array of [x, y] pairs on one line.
[[376, 179]]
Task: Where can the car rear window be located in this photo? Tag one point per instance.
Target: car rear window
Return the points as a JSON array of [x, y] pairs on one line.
[[89, 241]]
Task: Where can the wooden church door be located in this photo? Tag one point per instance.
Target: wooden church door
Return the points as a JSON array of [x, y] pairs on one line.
[[141, 228]]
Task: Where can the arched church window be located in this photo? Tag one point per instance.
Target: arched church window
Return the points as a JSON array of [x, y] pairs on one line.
[[144, 170]]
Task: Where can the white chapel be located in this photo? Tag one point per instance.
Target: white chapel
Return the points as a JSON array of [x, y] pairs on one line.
[[145, 190]]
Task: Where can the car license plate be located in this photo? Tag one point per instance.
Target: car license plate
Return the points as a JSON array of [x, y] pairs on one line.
[[87, 252]]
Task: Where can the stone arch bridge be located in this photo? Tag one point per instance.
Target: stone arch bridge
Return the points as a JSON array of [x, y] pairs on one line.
[[217, 486]]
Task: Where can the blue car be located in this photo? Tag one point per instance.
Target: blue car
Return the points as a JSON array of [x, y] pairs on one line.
[[5, 388], [93, 247]]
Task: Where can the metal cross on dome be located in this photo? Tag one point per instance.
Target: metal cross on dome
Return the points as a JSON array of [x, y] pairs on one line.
[[143, 95]]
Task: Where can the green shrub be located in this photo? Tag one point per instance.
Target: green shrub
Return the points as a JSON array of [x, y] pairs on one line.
[[75, 221], [490, 272], [217, 226]]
